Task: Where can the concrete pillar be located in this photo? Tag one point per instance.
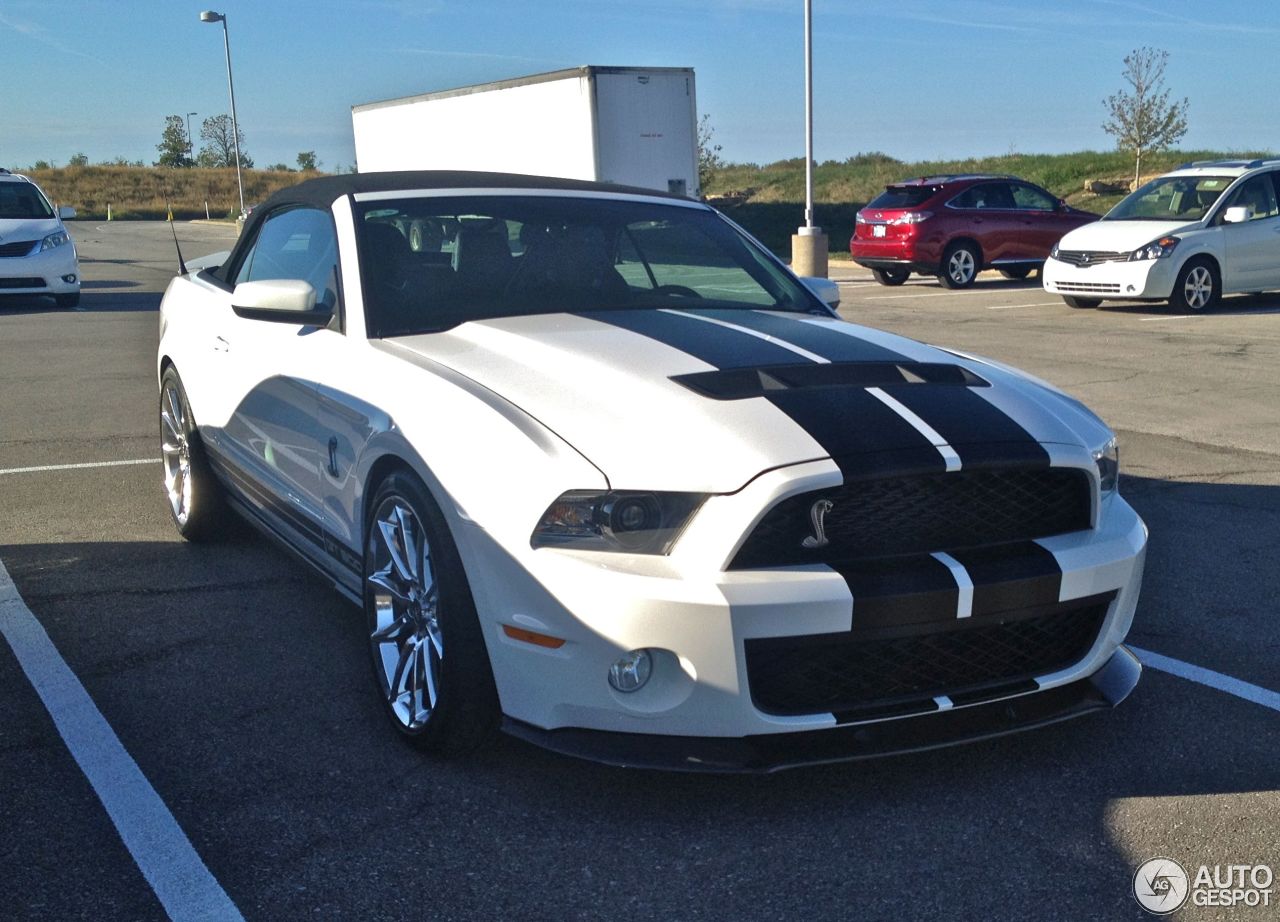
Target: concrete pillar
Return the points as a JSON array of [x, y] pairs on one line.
[[809, 252]]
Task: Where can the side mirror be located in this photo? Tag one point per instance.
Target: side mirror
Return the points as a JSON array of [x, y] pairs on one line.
[[1237, 214], [1062, 205], [66, 212], [828, 292], [279, 301]]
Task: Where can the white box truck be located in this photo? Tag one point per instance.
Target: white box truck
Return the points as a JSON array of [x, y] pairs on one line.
[[637, 126]]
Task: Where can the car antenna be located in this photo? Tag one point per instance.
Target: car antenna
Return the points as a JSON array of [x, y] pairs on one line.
[[182, 266]]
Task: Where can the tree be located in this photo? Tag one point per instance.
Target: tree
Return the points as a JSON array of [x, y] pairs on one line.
[[78, 160], [307, 161], [220, 145], [173, 146], [709, 160], [1141, 118]]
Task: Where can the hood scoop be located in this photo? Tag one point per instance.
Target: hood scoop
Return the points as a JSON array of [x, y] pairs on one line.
[[741, 383]]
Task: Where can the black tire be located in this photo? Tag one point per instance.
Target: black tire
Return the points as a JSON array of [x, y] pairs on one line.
[[891, 277], [1198, 288], [71, 300], [1016, 273], [197, 502], [1072, 301], [420, 616], [961, 264]]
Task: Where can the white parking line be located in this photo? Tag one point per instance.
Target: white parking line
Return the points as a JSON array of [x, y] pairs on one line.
[[1009, 307], [1198, 674], [153, 837], [76, 467], [1175, 317]]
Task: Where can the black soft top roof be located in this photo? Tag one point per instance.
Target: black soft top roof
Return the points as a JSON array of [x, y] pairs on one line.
[[323, 191]]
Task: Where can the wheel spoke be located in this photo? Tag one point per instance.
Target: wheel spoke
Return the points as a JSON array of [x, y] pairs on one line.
[[175, 408], [391, 540], [167, 422], [407, 525], [434, 635], [396, 686], [429, 677], [383, 580], [397, 628]]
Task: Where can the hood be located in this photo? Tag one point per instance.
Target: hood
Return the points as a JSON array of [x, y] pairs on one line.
[[1119, 236], [706, 400], [14, 229]]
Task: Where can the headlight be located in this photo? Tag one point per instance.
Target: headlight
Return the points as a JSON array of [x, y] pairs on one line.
[[1053, 253], [1157, 250], [1108, 460], [56, 239], [635, 522]]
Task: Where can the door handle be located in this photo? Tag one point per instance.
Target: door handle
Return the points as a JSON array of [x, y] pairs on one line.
[[221, 345]]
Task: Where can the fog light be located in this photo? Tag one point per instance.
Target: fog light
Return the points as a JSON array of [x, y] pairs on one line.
[[69, 278], [632, 671]]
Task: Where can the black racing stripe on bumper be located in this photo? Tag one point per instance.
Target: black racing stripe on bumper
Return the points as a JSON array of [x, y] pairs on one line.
[[714, 344], [979, 432], [897, 592], [859, 432], [1009, 577], [812, 337]]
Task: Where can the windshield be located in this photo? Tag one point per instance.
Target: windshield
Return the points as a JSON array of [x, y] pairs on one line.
[[431, 263], [22, 200], [1171, 198]]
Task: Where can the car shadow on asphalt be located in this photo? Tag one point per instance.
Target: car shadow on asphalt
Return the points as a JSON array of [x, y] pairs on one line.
[[241, 685], [92, 300]]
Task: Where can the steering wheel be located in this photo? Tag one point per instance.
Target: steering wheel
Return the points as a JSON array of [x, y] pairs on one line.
[[681, 291]]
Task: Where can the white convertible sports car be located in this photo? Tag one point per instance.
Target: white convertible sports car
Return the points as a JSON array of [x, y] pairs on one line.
[[601, 471]]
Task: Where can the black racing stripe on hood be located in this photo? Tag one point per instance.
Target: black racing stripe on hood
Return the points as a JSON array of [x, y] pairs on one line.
[[849, 423], [812, 337], [978, 430], [1008, 577], [854, 427], [714, 344]]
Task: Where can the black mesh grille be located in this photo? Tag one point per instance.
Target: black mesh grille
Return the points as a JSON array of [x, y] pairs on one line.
[[17, 247], [921, 515], [864, 676], [22, 283]]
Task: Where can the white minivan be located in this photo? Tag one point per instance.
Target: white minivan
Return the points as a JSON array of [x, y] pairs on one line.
[[1206, 229]]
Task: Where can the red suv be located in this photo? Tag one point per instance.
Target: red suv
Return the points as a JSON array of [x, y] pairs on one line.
[[954, 226]]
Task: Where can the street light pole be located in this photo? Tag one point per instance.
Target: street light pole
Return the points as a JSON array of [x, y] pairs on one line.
[[191, 146], [211, 16], [808, 243]]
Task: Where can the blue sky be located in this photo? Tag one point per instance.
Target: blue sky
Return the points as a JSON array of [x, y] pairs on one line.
[[913, 78]]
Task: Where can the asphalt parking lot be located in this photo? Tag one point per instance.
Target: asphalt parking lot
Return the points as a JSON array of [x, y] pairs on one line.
[[238, 684]]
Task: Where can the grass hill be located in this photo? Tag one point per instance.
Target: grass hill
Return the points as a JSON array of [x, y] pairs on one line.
[[769, 200], [136, 192]]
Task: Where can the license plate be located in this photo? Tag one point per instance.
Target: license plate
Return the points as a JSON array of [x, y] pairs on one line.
[[877, 230]]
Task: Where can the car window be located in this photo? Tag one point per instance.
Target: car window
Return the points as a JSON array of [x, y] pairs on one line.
[[297, 243], [432, 263], [1029, 198], [1171, 198], [22, 200], [902, 197], [984, 195], [1257, 193]]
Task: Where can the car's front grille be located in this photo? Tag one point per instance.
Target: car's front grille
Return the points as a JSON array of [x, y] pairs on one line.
[[1090, 257], [896, 671], [17, 247], [1087, 288], [32, 282], [920, 515]]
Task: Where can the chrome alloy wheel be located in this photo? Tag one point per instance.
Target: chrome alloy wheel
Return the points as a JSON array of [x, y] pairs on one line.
[[1197, 288], [406, 639], [175, 446], [960, 267]]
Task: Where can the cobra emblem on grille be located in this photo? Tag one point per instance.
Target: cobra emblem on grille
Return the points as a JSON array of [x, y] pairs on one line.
[[818, 515]]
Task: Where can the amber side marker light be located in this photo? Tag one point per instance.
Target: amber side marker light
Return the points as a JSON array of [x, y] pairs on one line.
[[533, 637]]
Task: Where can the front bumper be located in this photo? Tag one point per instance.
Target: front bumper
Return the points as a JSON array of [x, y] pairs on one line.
[[1140, 280], [702, 621], [776, 751], [41, 273]]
